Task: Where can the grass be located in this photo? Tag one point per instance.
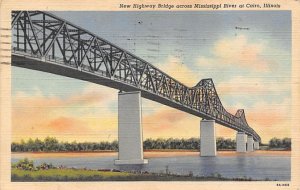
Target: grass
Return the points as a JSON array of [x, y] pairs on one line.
[[68, 174]]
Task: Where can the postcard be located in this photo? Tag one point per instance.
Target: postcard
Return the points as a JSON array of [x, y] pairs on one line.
[[149, 94]]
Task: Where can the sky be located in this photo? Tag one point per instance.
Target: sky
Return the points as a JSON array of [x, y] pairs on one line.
[[251, 69]]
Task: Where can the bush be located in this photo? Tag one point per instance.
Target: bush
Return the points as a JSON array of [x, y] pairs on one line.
[[24, 164], [45, 166]]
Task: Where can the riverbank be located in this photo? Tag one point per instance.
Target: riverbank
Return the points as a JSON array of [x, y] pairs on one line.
[[69, 174]]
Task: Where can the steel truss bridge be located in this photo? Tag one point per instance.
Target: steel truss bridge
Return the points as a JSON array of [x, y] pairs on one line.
[[44, 42]]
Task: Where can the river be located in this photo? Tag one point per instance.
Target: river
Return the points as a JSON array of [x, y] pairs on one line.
[[259, 165]]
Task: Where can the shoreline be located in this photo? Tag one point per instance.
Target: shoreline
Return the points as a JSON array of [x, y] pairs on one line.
[[153, 150], [147, 154]]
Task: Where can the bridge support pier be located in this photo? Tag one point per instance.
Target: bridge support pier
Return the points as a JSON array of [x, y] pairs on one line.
[[256, 145], [207, 138], [130, 132], [241, 142], [250, 144]]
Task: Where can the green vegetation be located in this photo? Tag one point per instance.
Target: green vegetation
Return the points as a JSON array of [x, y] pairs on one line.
[[225, 144], [186, 144], [276, 143], [25, 170], [94, 175], [170, 143], [51, 144], [67, 175], [27, 165]]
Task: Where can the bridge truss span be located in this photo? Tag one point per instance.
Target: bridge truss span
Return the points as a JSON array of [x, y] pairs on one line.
[[44, 42]]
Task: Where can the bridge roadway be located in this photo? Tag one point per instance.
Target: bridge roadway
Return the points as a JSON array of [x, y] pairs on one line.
[[44, 42]]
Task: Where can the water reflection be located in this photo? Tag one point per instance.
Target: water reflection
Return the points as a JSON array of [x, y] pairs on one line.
[[240, 163], [208, 166], [133, 167]]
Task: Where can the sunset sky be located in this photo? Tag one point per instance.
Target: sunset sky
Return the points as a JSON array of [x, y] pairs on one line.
[[251, 70]]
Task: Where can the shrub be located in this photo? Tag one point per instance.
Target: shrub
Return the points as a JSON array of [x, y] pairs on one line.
[[24, 164], [45, 166]]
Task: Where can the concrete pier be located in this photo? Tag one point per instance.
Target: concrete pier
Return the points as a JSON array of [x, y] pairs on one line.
[[207, 138], [241, 142], [130, 132], [256, 145], [250, 144]]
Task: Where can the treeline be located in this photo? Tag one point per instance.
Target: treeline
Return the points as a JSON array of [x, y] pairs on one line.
[[188, 144], [51, 144], [284, 143]]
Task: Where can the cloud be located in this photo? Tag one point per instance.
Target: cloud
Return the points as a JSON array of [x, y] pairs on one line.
[[174, 67], [271, 120], [268, 120], [167, 122], [92, 94], [66, 124], [243, 85], [240, 52], [84, 116]]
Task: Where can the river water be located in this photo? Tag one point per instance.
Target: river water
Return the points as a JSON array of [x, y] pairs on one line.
[[260, 165]]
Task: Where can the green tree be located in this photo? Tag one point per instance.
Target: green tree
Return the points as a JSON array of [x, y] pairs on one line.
[[39, 145], [286, 143], [51, 144], [275, 143]]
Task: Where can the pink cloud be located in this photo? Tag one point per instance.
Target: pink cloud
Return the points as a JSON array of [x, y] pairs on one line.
[[74, 118], [66, 125], [238, 51]]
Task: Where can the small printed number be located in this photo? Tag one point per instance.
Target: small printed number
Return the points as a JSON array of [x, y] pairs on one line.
[[283, 184]]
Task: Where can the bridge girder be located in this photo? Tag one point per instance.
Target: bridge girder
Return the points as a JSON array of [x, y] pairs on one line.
[[43, 36]]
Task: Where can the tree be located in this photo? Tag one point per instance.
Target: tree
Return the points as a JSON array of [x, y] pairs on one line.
[[51, 144], [286, 143], [275, 143], [39, 145]]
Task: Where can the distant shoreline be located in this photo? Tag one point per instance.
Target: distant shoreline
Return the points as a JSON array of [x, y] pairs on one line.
[[51, 144], [153, 150], [147, 154]]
